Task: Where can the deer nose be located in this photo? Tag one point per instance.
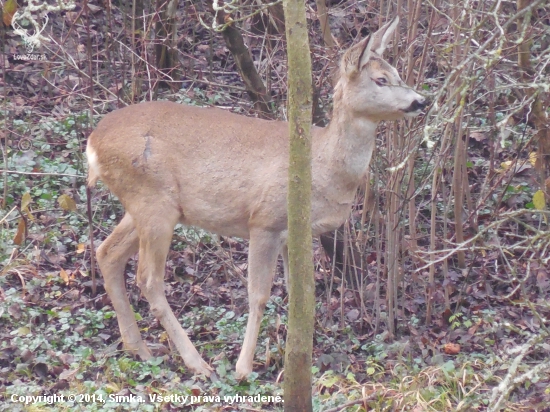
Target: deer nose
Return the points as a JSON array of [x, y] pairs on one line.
[[418, 105], [422, 103]]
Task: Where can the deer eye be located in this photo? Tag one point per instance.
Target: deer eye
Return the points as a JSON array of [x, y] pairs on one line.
[[381, 81]]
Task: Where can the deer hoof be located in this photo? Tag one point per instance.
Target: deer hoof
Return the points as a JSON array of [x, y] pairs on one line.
[[200, 367], [242, 372], [139, 350]]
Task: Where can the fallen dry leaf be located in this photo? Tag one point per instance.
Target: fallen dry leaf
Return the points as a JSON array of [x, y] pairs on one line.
[[21, 229], [478, 136], [67, 202], [451, 348], [64, 275], [10, 7]]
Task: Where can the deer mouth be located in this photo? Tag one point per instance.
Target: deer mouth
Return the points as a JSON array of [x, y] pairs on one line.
[[416, 107]]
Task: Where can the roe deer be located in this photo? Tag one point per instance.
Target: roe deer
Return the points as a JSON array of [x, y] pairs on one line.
[[206, 167]]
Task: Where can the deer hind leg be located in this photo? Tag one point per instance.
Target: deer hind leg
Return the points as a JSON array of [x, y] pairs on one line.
[[262, 261], [155, 236], [112, 256]]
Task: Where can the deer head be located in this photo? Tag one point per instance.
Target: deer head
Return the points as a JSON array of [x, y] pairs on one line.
[[370, 86]]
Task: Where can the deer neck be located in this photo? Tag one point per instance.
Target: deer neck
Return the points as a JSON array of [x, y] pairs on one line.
[[345, 148]]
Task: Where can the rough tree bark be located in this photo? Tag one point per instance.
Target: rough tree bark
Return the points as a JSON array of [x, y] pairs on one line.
[[459, 168], [322, 14], [253, 82], [166, 34], [299, 345], [538, 117], [134, 8]]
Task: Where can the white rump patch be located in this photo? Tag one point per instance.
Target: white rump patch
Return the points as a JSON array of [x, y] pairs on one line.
[[93, 164]]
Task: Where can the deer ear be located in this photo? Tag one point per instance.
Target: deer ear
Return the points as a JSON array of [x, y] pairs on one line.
[[366, 52], [356, 56], [382, 37]]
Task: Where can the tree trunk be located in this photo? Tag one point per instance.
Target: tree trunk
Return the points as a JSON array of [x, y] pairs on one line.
[[137, 8], [245, 65], [166, 34], [299, 345], [538, 115]]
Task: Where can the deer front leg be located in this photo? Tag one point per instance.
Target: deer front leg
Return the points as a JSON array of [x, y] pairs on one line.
[[262, 260], [112, 256], [155, 237]]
